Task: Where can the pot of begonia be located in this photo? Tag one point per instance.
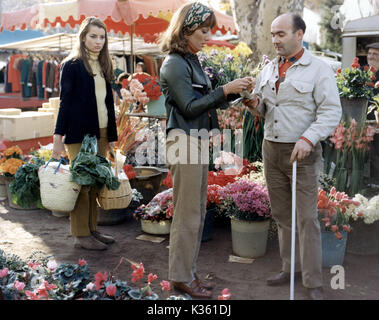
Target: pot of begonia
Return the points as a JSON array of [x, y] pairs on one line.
[[334, 210], [248, 206], [156, 216]]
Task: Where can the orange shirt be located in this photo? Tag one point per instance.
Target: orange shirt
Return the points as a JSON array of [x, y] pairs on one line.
[[284, 65]]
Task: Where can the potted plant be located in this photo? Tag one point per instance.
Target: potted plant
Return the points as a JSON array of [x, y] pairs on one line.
[[212, 201], [248, 206], [355, 86], [334, 210], [10, 161], [365, 223], [156, 216]]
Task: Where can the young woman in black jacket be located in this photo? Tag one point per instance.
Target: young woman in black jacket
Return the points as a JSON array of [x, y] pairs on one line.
[[86, 107]]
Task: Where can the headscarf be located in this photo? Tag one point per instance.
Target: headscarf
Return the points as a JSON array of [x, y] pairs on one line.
[[196, 16]]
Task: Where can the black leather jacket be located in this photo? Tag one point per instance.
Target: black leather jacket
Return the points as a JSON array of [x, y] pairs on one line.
[[190, 103]]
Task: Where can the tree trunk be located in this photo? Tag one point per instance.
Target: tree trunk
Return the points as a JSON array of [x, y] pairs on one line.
[[254, 18]]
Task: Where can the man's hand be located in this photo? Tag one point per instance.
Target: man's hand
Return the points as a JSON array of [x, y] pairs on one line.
[[251, 103], [301, 150]]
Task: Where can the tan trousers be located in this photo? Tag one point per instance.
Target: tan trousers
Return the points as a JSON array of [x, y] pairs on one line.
[[190, 182], [278, 173], [83, 218]]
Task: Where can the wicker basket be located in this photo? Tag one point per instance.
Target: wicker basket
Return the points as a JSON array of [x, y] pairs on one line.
[[58, 192], [115, 199]]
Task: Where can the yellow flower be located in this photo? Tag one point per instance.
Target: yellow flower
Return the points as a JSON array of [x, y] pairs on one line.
[[11, 165], [12, 150]]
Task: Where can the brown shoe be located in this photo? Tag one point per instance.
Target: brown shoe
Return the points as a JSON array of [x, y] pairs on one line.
[[103, 237], [281, 278], [316, 293], [204, 283], [89, 243], [194, 290]]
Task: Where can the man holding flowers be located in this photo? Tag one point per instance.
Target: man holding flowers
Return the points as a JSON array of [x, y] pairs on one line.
[[297, 94]]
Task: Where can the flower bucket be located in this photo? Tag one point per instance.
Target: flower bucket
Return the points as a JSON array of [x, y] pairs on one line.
[[355, 108], [3, 189], [249, 238], [208, 225], [147, 181], [333, 250], [157, 107], [364, 239], [153, 227]]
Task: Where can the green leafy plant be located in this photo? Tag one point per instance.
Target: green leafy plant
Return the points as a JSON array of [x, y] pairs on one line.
[[91, 169], [25, 187], [355, 82]]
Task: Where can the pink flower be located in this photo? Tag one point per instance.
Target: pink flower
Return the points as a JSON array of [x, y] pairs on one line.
[[225, 294], [90, 286], [52, 265], [33, 265], [100, 278], [165, 285], [32, 296], [111, 290], [151, 277], [4, 272], [82, 262], [19, 285]]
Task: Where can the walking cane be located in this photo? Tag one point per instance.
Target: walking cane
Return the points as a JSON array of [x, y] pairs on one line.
[[293, 230]]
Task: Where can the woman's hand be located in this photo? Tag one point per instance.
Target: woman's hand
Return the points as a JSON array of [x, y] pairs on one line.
[[58, 147], [236, 86]]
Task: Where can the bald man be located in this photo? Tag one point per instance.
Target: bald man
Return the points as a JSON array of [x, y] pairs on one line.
[[297, 95]]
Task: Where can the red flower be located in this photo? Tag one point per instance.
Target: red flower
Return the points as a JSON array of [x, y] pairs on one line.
[[129, 171], [151, 277], [138, 272], [100, 279], [366, 68], [82, 262], [168, 181], [346, 228], [339, 70], [334, 228]]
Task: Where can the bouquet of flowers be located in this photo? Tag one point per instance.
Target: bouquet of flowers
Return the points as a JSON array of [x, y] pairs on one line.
[[334, 210], [245, 200], [160, 208], [355, 82], [351, 142], [136, 98], [368, 209], [150, 85]]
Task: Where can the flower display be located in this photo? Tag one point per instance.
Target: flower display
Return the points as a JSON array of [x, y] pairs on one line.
[[351, 141], [355, 82], [10, 166], [10, 160], [334, 209], [245, 200], [368, 209], [150, 85], [160, 208], [129, 171]]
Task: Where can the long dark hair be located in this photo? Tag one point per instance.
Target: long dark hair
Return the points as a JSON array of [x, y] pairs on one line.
[[80, 51]]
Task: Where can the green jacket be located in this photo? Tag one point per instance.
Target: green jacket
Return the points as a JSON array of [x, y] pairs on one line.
[[190, 103]]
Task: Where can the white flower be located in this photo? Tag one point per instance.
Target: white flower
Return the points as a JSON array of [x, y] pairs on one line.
[[52, 265], [90, 286], [368, 209]]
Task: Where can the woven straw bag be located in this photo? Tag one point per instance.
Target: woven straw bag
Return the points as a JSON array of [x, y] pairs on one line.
[[58, 192], [115, 199]]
